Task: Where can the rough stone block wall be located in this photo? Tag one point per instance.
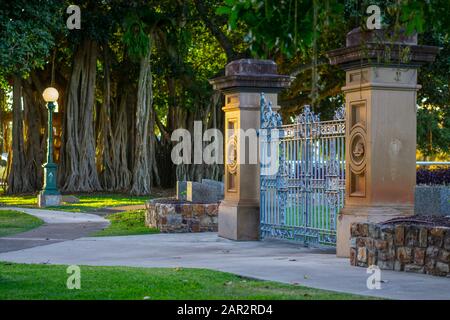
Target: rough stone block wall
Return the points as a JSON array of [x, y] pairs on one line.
[[402, 247], [176, 216]]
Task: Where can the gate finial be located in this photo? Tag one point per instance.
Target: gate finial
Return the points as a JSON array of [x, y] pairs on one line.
[[339, 113], [307, 116], [269, 118]]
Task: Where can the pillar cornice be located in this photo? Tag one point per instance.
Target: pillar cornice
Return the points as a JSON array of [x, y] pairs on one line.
[[381, 48], [381, 86], [251, 75]]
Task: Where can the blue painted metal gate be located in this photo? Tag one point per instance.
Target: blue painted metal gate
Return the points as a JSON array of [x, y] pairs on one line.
[[302, 180]]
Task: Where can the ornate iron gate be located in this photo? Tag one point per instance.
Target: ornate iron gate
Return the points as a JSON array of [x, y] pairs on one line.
[[302, 178]]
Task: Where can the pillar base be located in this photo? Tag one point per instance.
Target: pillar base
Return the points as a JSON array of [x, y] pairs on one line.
[[351, 214], [47, 200], [238, 221]]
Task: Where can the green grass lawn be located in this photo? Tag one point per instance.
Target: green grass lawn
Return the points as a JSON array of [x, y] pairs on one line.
[[18, 201], [126, 223], [12, 222], [20, 281], [87, 202]]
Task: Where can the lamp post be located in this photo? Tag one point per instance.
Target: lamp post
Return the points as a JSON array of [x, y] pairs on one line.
[[50, 196]]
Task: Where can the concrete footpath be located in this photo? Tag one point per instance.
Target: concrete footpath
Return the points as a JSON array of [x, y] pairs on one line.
[[58, 226], [268, 260]]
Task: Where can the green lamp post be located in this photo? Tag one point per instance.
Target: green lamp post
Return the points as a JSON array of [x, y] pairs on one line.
[[50, 194]]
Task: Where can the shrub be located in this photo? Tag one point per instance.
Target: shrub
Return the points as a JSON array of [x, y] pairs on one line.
[[440, 176]]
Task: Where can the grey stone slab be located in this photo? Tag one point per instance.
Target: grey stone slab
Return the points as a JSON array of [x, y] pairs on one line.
[[218, 187], [203, 193], [70, 199], [181, 190], [207, 191], [432, 200]]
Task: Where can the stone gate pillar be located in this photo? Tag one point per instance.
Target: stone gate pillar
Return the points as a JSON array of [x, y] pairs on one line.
[[242, 84], [380, 99]]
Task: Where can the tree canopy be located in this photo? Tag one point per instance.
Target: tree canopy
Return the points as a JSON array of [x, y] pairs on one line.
[[137, 70], [27, 33]]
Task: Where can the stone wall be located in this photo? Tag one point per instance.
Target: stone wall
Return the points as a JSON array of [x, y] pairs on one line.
[[401, 247], [170, 215]]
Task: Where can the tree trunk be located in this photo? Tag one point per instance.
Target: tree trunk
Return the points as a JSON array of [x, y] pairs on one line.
[[120, 162], [78, 171], [105, 139], [35, 146], [2, 106], [18, 179], [144, 142]]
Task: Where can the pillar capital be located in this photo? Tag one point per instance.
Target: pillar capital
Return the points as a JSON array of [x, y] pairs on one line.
[[251, 75]]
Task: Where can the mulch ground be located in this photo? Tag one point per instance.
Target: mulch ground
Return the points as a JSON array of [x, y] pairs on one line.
[[432, 221]]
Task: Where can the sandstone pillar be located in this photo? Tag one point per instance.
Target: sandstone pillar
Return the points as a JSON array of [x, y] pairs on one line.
[[242, 84], [380, 99]]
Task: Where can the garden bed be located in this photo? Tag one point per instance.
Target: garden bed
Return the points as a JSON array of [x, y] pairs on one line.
[[431, 221], [418, 244]]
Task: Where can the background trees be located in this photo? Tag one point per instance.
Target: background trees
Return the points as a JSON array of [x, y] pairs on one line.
[[297, 34], [138, 70], [27, 31]]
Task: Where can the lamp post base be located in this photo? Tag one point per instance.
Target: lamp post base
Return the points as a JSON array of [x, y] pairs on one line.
[[50, 195], [48, 200]]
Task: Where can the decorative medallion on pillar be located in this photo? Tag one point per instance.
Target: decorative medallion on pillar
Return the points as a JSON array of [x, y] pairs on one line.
[[232, 154], [357, 165]]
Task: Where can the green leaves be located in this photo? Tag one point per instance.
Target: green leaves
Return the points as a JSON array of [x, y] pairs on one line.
[[274, 27], [412, 16], [223, 10], [433, 118], [433, 130], [135, 37], [27, 31]]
